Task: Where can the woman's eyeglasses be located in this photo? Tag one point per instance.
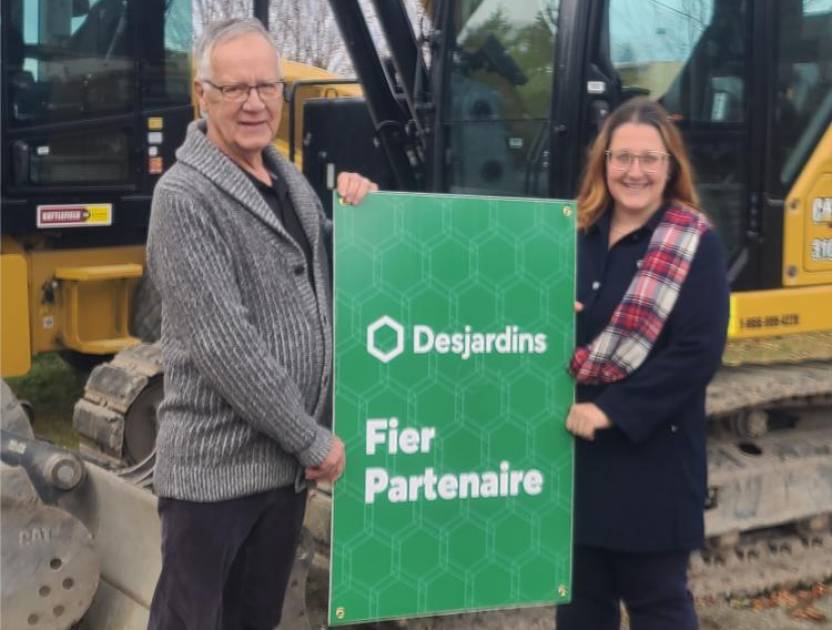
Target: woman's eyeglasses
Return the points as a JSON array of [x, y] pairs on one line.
[[650, 161]]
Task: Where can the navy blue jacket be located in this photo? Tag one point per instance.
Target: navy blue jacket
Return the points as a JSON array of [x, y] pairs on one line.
[[640, 486]]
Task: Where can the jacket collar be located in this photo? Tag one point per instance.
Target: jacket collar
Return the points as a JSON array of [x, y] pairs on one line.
[[199, 153], [602, 225]]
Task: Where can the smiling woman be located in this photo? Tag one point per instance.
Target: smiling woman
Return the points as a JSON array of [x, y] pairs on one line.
[[650, 333]]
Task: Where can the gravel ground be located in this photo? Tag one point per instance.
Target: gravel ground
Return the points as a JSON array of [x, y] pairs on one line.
[[721, 616]]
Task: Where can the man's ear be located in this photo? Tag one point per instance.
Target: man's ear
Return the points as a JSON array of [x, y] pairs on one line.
[[199, 91]]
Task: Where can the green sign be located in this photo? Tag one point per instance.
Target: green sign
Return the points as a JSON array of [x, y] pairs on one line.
[[454, 324]]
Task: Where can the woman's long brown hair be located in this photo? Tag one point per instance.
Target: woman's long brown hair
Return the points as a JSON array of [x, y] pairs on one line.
[[593, 196]]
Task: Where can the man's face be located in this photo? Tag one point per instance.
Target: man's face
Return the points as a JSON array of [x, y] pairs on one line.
[[241, 129]]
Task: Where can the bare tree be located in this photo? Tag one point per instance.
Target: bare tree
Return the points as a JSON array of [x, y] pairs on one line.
[[305, 30], [206, 11]]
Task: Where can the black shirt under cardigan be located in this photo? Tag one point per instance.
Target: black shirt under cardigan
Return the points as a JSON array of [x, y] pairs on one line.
[[640, 486], [278, 199]]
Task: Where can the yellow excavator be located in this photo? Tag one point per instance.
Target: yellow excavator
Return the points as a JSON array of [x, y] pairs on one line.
[[483, 96]]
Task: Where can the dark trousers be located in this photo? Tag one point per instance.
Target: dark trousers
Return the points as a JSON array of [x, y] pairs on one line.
[[226, 564], [653, 587]]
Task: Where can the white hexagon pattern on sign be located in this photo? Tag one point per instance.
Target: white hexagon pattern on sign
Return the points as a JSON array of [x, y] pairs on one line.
[[458, 265]]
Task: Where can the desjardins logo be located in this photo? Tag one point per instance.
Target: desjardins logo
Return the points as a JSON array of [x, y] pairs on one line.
[[386, 339]]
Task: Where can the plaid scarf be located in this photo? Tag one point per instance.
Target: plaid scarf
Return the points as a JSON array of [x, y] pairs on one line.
[[638, 320]]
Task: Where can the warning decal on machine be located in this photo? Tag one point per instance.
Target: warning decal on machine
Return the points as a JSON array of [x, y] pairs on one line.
[[75, 215]]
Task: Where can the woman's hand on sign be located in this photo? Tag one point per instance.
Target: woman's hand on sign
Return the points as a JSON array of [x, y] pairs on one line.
[[578, 306], [353, 187], [332, 466], [585, 419]]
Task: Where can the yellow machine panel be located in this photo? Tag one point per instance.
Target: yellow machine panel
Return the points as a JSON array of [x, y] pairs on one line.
[[15, 349], [80, 298], [807, 243], [87, 294], [780, 312], [308, 82]]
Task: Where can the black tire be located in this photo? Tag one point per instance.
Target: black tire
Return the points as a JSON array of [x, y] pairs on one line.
[[140, 426]]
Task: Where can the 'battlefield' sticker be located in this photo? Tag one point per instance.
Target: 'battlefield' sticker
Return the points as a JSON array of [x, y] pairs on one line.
[[75, 215]]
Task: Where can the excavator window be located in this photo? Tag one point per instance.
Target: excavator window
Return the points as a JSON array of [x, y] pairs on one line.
[[68, 65], [694, 58], [73, 62], [498, 96], [166, 71], [803, 99]]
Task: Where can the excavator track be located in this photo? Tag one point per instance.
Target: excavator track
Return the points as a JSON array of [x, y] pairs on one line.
[[762, 562], [116, 418], [745, 388], [769, 476]]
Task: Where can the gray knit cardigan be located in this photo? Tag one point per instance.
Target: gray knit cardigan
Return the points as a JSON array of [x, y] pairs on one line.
[[246, 339]]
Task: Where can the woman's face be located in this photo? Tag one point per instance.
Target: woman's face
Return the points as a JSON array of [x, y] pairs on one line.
[[637, 169]]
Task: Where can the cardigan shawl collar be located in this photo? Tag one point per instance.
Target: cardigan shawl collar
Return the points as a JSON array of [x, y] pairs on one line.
[[201, 154]]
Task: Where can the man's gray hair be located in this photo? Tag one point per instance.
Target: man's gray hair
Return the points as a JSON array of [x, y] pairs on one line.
[[223, 30]]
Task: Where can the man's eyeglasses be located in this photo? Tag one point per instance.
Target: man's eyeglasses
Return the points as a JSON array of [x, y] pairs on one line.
[[622, 160], [238, 92]]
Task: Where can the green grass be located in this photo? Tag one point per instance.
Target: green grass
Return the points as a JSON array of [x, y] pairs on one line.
[[52, 386]]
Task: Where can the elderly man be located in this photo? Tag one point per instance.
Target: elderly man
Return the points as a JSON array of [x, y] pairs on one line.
[[236, 248]]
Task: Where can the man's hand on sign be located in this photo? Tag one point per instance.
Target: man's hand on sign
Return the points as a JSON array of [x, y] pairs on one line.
[[586, 418], [332, 467], [578, 307], [353, 187]]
